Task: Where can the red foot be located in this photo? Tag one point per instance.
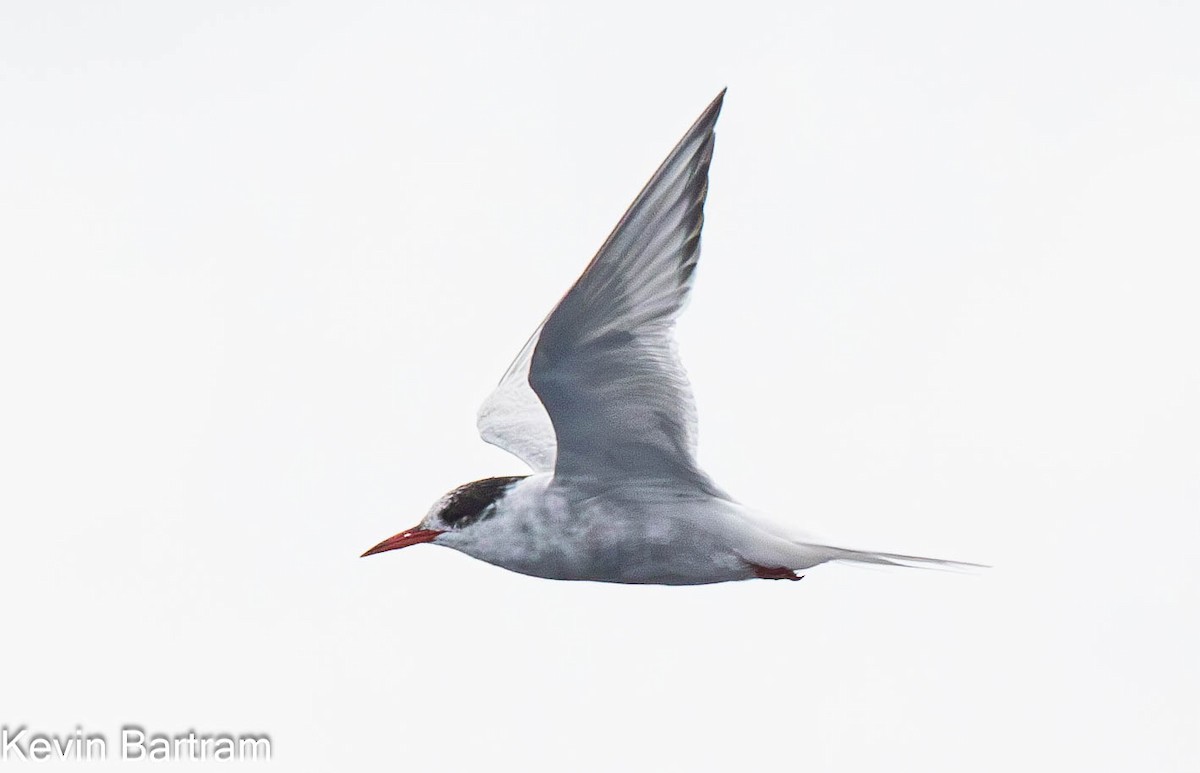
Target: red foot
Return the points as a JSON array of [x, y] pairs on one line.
[[775, 573]]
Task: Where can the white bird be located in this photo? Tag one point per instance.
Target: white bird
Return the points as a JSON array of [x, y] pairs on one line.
[[598, 405]]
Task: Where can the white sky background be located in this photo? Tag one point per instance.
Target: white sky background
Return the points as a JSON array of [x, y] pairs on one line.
[[262, 262]]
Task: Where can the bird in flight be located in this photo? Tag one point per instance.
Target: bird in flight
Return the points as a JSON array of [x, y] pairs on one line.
[[599, 407]]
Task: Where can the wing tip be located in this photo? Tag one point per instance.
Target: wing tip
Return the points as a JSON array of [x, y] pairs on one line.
[[703, 127], [709, 117]]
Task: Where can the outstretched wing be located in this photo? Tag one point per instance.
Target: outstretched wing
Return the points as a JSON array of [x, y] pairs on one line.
[[513, 418], [612, 400]]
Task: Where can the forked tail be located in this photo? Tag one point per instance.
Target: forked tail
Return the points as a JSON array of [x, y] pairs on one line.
[[897, 559]]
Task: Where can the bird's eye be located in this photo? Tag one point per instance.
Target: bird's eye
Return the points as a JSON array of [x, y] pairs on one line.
[[463, 511], [475, 501]]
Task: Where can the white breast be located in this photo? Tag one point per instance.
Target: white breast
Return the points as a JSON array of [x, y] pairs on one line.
[[638, 534]]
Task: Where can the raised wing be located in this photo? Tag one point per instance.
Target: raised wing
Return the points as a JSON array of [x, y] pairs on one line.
[[605, 364], [512, 417]]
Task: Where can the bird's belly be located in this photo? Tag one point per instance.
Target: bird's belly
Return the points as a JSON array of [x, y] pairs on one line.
[[671, 546]]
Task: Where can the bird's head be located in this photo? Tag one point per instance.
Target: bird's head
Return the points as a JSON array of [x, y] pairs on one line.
[[452, 517]]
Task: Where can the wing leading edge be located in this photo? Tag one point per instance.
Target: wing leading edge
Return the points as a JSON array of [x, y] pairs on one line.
[[598, 391]]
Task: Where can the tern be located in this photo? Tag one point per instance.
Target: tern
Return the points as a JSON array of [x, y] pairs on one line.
[[597, 404]]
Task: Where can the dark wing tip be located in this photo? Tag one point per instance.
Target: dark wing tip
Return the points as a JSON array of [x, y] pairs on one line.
[[708, 118]]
